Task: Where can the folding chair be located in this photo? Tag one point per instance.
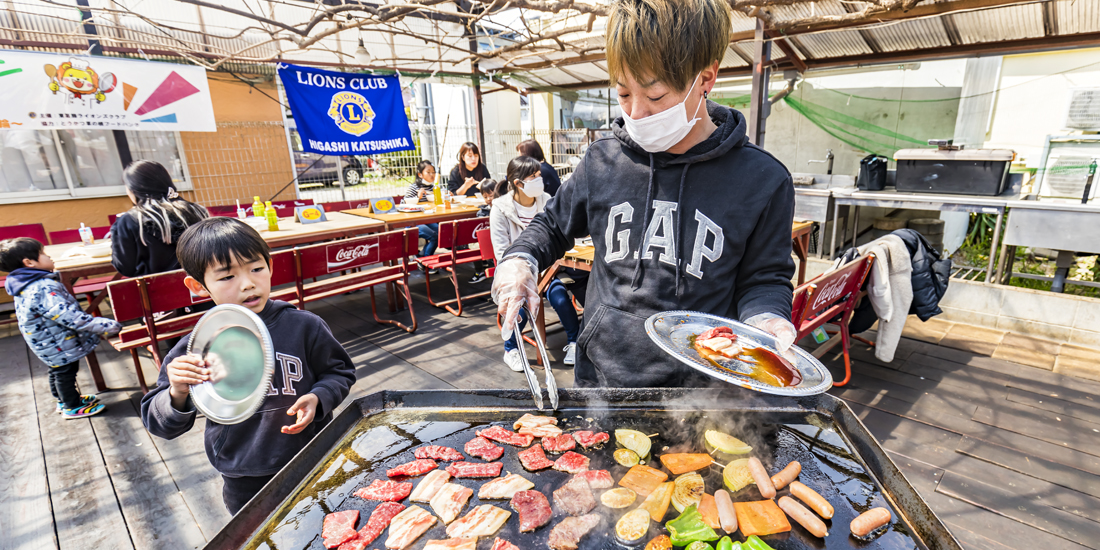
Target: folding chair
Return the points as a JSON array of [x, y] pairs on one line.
[[336, 206], [390, 249], [823, 299], [451, 236]]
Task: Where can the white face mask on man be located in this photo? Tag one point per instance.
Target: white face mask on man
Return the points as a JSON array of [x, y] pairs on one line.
[[660, 131], [533, 187]]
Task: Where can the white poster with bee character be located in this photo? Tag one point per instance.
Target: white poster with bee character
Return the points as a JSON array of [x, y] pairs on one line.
[[53, 91]]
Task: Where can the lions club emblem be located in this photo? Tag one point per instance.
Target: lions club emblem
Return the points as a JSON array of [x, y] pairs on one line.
[[351, 113]]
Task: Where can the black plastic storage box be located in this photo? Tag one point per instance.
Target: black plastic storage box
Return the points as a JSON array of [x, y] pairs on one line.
[[960, 172]]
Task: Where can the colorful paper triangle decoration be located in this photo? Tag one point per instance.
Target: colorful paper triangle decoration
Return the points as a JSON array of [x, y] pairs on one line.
[[173, 89], [165, 118], [128, 92]]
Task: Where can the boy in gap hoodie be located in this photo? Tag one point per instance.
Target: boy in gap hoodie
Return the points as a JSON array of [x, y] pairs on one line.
[[57, 330], [227, 260], [684, 213]]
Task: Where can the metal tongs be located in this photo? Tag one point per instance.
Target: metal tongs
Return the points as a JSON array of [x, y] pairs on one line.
[[551, 384]]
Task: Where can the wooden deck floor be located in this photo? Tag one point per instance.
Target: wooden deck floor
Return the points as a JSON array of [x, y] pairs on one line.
[[1008, 455]]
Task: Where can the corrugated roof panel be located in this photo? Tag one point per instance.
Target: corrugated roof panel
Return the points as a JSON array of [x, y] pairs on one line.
[[740, 22], [833, 44], [1008, 23], [782, 13], [731, 59], [910, 35], [1077, 16]]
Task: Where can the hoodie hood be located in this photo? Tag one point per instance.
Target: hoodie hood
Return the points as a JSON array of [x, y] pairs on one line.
[[730, 134], [273, 310], [20, 278]]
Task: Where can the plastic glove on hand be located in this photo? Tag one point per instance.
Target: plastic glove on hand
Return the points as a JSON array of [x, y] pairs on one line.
[[514, 284], [784, 332]]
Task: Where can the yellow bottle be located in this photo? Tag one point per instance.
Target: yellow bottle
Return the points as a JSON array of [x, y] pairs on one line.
[[257, 207], [272, 217], [437, 194]]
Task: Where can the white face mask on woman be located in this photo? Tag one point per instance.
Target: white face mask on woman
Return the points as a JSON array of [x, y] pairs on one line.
[[660, 131], [533, 188]]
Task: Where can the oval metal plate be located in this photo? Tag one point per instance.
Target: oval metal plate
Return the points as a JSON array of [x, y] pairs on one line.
[[238, 347], [672, 331]]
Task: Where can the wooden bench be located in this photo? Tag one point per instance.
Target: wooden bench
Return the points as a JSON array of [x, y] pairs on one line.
[[155, 300]]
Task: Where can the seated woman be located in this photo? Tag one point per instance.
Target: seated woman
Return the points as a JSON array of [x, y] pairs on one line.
[[421, 189], [510, 215], [551, 181], [468, 173]]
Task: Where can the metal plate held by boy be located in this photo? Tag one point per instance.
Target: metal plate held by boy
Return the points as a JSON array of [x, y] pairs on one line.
[[675, 332], [237, 348]]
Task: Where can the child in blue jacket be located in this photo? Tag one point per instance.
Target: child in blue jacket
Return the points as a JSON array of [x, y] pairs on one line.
[[56, 329]]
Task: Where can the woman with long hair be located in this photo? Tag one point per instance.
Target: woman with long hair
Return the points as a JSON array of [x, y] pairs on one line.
[[531, 148], [511, 213], [143, 239], [468, 173]]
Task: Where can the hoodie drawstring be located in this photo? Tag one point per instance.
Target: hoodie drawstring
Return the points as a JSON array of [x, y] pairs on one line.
[[636, 281], [680, 231]]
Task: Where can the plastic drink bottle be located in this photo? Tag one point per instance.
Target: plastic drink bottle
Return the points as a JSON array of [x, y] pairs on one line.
[[241, 212], [86, 234], [437, 194], [257, 207], [272, 217]]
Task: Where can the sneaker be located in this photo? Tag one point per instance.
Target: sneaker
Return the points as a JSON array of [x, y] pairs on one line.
[[85, 400], [87, 410], [513, 360], [570, 353], [477, 278]]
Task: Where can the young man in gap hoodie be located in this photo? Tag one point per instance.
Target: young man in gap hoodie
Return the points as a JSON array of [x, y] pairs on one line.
[[684, 213], [227, 260]]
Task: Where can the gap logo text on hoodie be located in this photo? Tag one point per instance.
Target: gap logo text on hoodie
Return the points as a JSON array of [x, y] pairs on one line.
[[661, 234]]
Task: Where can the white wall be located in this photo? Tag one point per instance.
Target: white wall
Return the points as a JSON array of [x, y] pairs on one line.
[[501, 111], [1032, 100]]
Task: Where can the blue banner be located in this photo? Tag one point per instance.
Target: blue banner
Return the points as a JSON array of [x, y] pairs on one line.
[[346, 113]]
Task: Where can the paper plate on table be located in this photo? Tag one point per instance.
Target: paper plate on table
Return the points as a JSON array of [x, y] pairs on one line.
[[237, 346], [409, 208], [675, 331]]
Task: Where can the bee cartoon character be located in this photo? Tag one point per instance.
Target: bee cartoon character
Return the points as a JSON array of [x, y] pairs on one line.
[[76, 79]]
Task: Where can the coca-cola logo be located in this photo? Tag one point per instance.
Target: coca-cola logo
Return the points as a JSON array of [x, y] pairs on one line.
[[345, 256], [831, 291], [480, 226]]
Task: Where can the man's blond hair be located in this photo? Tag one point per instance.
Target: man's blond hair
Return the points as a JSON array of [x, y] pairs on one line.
[[670, 41]]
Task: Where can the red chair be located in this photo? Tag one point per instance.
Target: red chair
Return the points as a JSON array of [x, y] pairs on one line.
[[111, 219], [225, 210], [390, 249], [73, 235], [152, 297], [35, 231], [451, 236], [824, 298], [336, 206]]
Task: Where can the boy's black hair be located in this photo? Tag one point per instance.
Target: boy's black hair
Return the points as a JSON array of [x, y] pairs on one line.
[[488, 186], [14, 251], [218, 241]]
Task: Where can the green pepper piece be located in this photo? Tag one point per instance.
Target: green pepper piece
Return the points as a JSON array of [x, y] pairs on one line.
[[754, 543], [699, 545], [689, 527], [725, 543]]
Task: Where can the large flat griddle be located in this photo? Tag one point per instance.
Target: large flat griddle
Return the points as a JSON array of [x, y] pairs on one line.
[[839, 457]]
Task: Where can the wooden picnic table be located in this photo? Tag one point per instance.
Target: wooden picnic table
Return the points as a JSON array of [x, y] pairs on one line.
[[399, 220], [290, 233]]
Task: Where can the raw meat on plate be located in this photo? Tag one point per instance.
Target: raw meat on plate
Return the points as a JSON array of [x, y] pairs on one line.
[[339, 527], [430, 485], [452, 544], [385, 490], [575, 497], [450, 500], [567, 534], [501, 544], [412, 469], [435, 452], [407, 526], [484, 449], [482, 521], [475, 469], [533, 508], [534, 459], [571, 462], [559, 444], [589, 439], [597, 479], [377, 523], [503, 435], [504, 487]]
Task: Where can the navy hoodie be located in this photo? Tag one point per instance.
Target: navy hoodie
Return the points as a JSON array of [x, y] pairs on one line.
[[308, 359], [707, 230]]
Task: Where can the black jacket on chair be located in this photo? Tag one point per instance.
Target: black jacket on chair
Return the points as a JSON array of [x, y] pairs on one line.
[[930, 274]]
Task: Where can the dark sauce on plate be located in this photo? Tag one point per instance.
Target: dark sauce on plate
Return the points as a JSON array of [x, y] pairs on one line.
[[766, 366]]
